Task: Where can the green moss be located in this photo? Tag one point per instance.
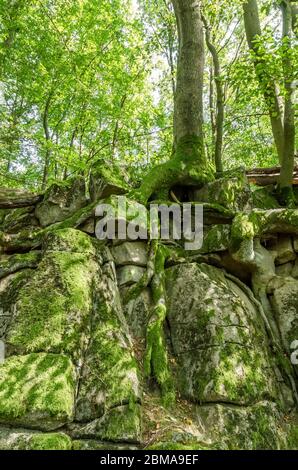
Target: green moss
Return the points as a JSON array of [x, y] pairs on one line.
[[69, 239], [156, 357], [112, 174], [189, 166], [264, 199], [292, 438], [244, 388], [121, 424], [53, 307], [112, 373], [50, 441], [179, 446], [37, 390]]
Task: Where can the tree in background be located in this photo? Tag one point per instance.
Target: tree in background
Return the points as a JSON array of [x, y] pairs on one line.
[[282, 117]]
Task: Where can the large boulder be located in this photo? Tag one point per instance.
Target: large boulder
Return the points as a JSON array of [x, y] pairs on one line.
[[22, 439], [61, 201], [284, 300], [52, 309], [66, 337], [37, 391], [106, 180], [109, 376], [231, 191], [259, 426], [218, 338]]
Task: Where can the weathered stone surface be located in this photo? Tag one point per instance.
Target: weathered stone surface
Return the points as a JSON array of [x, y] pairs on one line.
[[22, 439], [258, 224], [263, 199], [14, 263], [69, 240], [285, 305], [9, 287], [256, 427], [37, 390], [19, 219], [128, 275], [129, 253], [61, 202], [217, 336], [284, 269], [109, 375], [120, 424], [88, 226], [13, 197], [284, 249], [137, 312], [125, 220], [295, 244], [232, 191], [53, 308], [216, 239], [105, 181]]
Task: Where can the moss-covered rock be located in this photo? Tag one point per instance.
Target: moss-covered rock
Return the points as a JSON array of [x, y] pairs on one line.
[[231, 191], [61, 201], [216, 238], [69, 240], [120, 424], [284, 300], [37, 390], [106, 180], [248, 226], [17, 262], [19, 439], [53, 308], [218, 338], [110, 375], [20, 219], [260, 426], [264, 199]]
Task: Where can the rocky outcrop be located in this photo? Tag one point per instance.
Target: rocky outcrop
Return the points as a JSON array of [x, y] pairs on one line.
[[77, 316]]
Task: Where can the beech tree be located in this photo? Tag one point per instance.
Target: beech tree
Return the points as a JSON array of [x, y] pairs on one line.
[[281, 117], [188, 164]]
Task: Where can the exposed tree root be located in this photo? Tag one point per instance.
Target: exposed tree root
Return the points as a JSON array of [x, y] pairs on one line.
[[156, 358], [188, 167]]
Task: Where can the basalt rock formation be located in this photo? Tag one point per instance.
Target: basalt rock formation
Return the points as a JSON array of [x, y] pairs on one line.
[[129, 344]]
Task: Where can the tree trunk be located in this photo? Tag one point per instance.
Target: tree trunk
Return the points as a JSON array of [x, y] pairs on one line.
[[294, 12], [220, 105], [253, 32], [188, 112], [189, 165], [286, 174], [45, 122]]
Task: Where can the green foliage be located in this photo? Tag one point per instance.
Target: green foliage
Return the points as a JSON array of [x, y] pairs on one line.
[[85, 82]]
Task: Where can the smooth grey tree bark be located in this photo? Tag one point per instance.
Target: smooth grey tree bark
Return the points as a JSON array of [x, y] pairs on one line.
[[286, 174], [188, 165], [188, 113]]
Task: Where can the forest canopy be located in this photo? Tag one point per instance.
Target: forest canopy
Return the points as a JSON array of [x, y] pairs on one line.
[[83, 82]]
